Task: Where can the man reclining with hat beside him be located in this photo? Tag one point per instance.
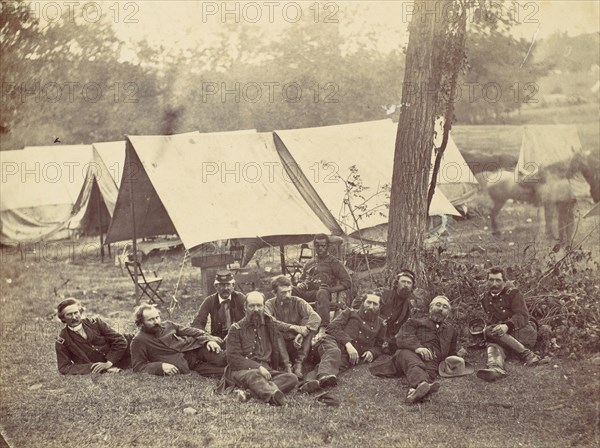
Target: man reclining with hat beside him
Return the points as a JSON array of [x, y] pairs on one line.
[[422, 345]]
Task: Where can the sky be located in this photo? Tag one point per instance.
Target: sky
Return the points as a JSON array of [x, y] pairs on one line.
[[181, 24]]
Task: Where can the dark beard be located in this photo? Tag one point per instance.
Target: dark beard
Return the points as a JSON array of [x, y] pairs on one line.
[[403, 293], [368, 314], [155, 329], [256, 318]]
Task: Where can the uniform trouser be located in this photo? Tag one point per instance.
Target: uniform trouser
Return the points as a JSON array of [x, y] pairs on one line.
[[205, 362], [518, 341], [262, 388], [333, 359], [416, 370], [322, 299], [289, 353]]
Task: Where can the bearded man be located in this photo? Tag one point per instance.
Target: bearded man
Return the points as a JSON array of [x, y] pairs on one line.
[[253, 355], [422, 345], [395, 307], [167, 348], [353, 336]]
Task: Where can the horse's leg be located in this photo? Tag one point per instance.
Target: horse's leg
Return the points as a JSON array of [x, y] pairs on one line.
[[549, 214], [498, 204], [565, 221]]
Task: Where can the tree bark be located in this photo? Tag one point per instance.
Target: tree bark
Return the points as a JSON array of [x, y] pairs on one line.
[[414, 142]]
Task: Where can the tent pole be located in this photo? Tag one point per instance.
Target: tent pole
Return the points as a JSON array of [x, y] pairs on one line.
[[98, 207], [282, 257], [134, 238]]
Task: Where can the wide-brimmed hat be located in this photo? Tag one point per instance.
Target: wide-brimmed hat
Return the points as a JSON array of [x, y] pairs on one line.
[[454, 366], [224, 276]]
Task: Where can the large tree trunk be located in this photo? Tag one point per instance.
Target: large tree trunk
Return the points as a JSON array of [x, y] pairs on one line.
[[414, 142]]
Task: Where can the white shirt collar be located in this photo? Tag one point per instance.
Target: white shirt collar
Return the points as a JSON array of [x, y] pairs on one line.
[[221, 300], [77, 329]]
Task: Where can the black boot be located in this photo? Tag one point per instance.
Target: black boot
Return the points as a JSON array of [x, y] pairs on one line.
[[495, 364]]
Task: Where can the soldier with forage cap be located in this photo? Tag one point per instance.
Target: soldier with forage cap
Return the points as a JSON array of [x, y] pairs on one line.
[[88, 345], [225, 307]]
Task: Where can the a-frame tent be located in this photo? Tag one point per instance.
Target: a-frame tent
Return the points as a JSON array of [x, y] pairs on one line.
[[455, 178], [208, 187], [95, 204], [39, 187], [320, 161], [550, 146]]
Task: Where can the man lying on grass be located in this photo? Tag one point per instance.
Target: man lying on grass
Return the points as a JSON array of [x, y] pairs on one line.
[[167, 348], [88, 345], [422, 345]]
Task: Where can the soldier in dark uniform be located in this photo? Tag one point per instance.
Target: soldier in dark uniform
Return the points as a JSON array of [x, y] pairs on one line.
[[225, 307], [508, 327], [321, 277], [253, 355], [354, 335], [88, 345], [395, 307]]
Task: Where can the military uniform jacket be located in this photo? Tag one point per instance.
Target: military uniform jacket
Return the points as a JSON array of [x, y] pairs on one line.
[[365, 336], [213, 308], [149, 351], [508, 308], [241, 341], [327, 270], [424, 332], [75, 355], [394, 311]]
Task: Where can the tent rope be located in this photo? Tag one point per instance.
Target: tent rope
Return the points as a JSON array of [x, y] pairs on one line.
[[174, 302]]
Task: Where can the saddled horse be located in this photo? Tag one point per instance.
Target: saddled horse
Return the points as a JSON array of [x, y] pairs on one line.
[[550, 188]]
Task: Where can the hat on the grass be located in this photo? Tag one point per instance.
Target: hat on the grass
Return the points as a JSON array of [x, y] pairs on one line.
[[454, 366], [224, 276]]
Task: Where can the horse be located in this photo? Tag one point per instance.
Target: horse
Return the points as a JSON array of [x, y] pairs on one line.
[[549, 187]]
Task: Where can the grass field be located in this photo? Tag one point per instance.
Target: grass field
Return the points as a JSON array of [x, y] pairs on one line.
[[553, 405]]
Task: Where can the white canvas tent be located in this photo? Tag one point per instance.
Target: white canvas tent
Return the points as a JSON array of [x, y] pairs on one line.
[[208, 187], [319, 160], [550, 147], [95, 204], [37, 193], [455, 178]]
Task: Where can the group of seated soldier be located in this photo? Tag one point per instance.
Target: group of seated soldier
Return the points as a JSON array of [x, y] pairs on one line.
[[259, 347]]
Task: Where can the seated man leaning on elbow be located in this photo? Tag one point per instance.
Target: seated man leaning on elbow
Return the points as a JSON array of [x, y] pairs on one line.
[[88, 345], [167, 348]]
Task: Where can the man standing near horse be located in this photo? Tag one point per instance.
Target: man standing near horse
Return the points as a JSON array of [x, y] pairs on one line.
[[508, 327]]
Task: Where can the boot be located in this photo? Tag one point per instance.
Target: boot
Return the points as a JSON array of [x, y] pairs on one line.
[[297, 369], [287, 367], [509, 342], [531, 359], [495, 364]]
